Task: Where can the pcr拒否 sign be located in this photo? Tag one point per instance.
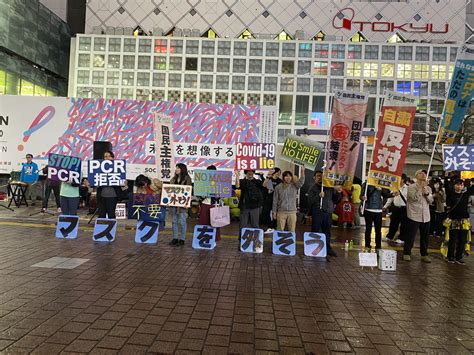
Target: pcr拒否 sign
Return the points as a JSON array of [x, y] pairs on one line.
[[106, 172]]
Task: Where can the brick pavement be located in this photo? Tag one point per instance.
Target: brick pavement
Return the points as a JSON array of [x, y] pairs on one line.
[[134, 299]]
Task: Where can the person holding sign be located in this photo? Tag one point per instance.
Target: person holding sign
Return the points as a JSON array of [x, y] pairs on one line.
[[205, 210], [284, 201], [107, 196], [322, 212], [179, 226], [251, 199], [69, 198]]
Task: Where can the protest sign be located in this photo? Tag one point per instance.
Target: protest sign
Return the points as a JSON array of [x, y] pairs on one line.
[[204, 151], [393, 137], [315, 244], [458, 157], [252, 240], [255, 156], [147, 232], [368, 260], [176, 195], [104, 230], [106, 172], [284, 243], [146, 207], [345, 134], [64, 168], [213, 183], [459, 95], [67, 227], [121, 211], [163, 146], [204, 237], [302, 151], [268, 124]]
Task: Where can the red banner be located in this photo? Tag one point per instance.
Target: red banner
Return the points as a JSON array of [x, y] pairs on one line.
[[392, 140]]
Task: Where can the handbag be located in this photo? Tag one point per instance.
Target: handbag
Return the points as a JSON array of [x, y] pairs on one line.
[[220, 216]]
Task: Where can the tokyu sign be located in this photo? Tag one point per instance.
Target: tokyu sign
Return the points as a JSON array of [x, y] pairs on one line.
[[346, 19]]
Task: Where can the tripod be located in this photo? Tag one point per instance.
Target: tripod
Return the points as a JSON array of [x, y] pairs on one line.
[[43, 192]]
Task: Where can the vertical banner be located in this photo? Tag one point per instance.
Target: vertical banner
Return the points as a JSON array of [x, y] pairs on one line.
[[163, 127], [459, 95], [391, 143], [268, 124], [342, 150]]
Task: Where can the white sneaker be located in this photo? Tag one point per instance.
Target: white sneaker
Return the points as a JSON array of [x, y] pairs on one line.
[[269, 231], [399, 241]]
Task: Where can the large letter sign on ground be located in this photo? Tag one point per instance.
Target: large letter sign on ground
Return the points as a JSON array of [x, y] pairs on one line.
[[347, 123], [147, 232], [391, 144], [255, 156], [106, 172], [251, 240], [284, 243], [67, 227], [64, 168], [459, 95], [204, 237], [458, 157], [301, 151], [104, 230], [213, 183], [315, 245]]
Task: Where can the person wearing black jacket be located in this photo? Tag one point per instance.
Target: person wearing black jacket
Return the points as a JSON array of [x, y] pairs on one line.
[[108, 196], [251, 199], [322, 214], [53, 186], [458, 213]]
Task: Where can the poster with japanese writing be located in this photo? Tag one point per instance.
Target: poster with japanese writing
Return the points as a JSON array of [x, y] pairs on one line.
[[213, 183], [106, 172], [255, 156], [392, 140], [459, 95], [64, 168], [268, 124], [176, 195], [301, 151], [163, 146], [342, 149], [146, 207], [204, 151], [457, 157]]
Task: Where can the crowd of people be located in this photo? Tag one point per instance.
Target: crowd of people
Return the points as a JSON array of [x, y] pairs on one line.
[[442, 206]]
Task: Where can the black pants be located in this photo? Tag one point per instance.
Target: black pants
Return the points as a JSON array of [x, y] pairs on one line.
[[438, 227], [412, 228], [47, 193], [85, 195], [322, 222], [107, 207], [265, 218], [398, 218], [374, 218], [457, 240]]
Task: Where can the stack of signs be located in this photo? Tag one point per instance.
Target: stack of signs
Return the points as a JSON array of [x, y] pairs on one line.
[[106, 172], [302, 151], [213, 183], [63, 168], [255, 156]]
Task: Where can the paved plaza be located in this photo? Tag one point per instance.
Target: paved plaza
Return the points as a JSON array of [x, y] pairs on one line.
[[72, 296]]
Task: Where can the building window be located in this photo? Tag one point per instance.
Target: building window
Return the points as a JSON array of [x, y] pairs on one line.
[[271, 66], [82, 77], [405, 53], [239, 66], [113, 61], [84, 61], [438, 71], [99, 44], [303, 85], [304, 67], [192, 47], [337, 68], [256, 49], [422, 106], [174, 80], [176, 63], [144, 62], [318, 111], [354, 69], [246, 34], [320, 68], [222, 82], [112, 93], [206, 82], [207, 64], [420, 88], [159, 63], [128, 78], [419, 123], [354, 51], [113, 78], [255, 66], [422, 71], [99, 61], [370, 86], [238, 83], [176, 46], [370, 114], [143, 79], [353, 84], [436, 106], [438, 89], [338, 51], [115, 45], [270, 84], [159, 80], [404, 71], [371, 70], [161, 46], [190, 81], [285, 109], [453, 52], [129, 45], [418, 141], [304, 50], [191, 64], [404, 87], [223, 48], [128, 62], [288, 67], [272, 49], [440, 54], [288, 50], [240, 48], [144, 45], [336, 84], [223, 65], [320, 85], [388, 52], [422, 53], [387, 70], [287, 84], [207, 47], [255, 83], [85, 44], [386, 85], [371, 52], [301, 110], [321, 50]]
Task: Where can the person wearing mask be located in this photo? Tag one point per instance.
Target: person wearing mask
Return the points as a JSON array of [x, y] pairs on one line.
[[271, 182], [30, 175], [205, 210], [53, 186], [251, 199], [284, 201], [373, 213], [144, 185], [355, 198], [419, 198], [459, 225], [437, 208], [322, 213], [179, 214], [398, 217], [108, 196], [69, 198]]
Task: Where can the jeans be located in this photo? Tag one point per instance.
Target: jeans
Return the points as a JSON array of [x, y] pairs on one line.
[[398, 218], [412, 228], [457, 240], [374, 218], [107, 207], [69, 205], [179, 222], [322, 222], [47, 193]]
